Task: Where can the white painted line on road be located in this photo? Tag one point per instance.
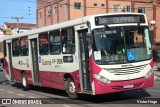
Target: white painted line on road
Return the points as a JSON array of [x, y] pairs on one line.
[[10, 92], [31, 97], [21, 95], [50, 102], [153, 90], [66, 106], [1, 90]]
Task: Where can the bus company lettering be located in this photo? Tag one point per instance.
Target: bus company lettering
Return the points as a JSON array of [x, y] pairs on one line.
[[46, 62], [57, 61], [21, 63]]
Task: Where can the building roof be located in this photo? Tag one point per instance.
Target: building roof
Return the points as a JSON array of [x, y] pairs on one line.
[[20, 25]]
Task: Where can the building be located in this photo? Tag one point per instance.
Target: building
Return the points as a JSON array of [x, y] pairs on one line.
[[13, 28], [56, 11], [1, 30]]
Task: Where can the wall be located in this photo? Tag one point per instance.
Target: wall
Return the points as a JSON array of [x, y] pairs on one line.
[[76, 13], [122, 3], [157, 25], [63, 13], [91, 9], [40, 21], [48, 18]]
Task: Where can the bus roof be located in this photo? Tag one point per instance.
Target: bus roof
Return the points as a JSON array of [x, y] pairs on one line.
[[63, 25], [4, 36]]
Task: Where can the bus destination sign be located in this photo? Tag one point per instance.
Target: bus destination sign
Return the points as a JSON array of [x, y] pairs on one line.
[[114, 19]]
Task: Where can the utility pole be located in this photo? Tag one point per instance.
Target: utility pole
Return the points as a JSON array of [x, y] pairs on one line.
[[17, 19]]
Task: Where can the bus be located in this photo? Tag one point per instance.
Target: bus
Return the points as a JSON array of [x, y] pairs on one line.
[[98, 54], [1, 52]]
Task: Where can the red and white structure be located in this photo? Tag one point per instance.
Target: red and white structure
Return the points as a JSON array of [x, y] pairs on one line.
[[96, 54]]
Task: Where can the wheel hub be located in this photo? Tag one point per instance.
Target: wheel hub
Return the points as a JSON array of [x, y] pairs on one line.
[[24, 82], [72, 88]]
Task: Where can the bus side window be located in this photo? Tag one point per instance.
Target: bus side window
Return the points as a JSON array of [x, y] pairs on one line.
[[15, 47], [4, 48], [68, 41], [55, 42], [24, 46], [43, 44]]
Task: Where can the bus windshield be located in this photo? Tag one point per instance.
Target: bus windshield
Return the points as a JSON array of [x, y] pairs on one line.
[[121, 44]]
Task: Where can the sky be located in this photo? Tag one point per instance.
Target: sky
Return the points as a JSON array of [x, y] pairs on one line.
[[25, 9]]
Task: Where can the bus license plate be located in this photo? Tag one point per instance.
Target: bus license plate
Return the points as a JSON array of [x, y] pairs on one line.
[[128, 86]]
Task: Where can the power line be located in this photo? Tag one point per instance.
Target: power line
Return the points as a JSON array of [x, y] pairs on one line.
[[17, 19], [12, 17], [31, 1], [19, 13], [12, 9]]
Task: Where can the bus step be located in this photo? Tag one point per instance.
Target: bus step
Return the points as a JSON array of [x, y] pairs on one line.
[[87, 92]]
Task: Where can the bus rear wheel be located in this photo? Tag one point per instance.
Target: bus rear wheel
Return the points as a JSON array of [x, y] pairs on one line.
[[71, 89], [25, 82]]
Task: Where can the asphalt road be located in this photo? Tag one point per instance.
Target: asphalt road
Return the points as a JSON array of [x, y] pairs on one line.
[[57, 98]]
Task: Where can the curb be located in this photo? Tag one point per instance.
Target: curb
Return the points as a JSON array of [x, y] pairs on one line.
[[158, 76]]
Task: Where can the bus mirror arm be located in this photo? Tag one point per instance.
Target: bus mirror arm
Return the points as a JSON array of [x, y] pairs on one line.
[[151, 36], [89, 39], [106, 26]]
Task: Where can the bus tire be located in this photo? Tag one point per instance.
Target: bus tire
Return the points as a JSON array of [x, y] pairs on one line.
[[71, 89], [119, 93], [25, 82]]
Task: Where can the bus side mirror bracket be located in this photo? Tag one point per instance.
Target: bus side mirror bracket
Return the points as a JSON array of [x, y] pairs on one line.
[[151, 36], [89, 39]]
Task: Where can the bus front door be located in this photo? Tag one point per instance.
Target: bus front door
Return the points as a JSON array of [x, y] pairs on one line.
[[84, 61], [11, 76], [35, 61]]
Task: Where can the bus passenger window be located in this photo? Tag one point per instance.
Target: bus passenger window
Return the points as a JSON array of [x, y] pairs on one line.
[[55, 42], [15, 47], [68, 41], [24, 46], [4, 48], [43, 44]]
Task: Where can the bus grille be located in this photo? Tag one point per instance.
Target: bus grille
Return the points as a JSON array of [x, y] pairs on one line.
[[138, 85], [126, 71]]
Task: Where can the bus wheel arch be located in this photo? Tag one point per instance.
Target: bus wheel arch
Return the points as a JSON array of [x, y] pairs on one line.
[[70, 87], [24, 81]]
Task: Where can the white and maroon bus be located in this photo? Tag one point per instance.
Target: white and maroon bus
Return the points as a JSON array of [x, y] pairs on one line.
[[97, 54]]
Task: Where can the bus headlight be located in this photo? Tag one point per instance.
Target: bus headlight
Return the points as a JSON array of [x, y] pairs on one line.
[[101, 78], [149, 73]]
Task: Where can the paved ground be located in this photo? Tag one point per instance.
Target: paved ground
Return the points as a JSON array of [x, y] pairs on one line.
[[156, 71], [58, 98]]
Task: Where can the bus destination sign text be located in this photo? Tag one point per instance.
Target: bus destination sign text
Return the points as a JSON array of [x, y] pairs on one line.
[[105, 20]]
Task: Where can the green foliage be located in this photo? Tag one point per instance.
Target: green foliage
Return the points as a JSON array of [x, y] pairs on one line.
[[157, 79]]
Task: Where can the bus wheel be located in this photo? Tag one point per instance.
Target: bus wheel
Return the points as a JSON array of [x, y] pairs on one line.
[[71, 89], [25, 82]]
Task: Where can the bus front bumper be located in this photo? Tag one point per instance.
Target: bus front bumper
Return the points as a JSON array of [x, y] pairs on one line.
[[119, 86]]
